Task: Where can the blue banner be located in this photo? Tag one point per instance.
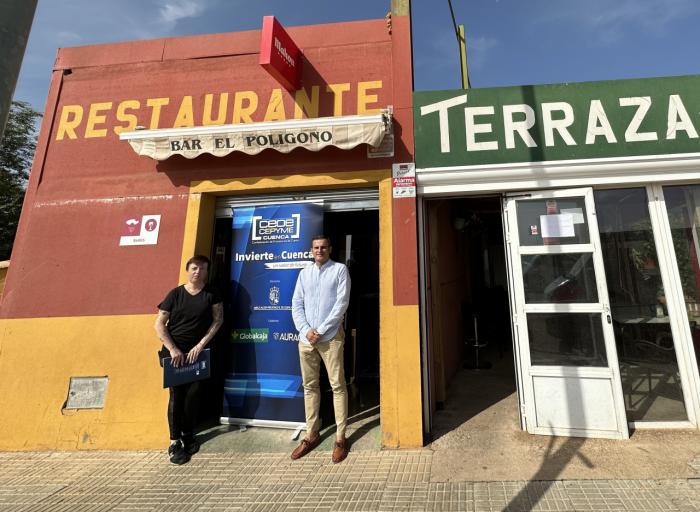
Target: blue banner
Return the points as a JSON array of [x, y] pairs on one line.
[[270, 245]]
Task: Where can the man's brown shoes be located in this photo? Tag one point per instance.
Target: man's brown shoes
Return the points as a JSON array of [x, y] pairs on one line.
[[340, 451], [305, 447]]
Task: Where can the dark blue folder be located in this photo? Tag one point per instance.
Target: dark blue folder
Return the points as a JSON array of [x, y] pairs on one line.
[[199, 370]]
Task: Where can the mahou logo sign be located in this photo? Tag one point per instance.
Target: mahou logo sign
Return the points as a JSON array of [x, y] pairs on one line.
[[279, 55], [276, 230]]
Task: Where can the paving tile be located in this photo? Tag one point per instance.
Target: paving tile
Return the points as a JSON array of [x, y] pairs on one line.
[[359, 497], [410, 467], [451, 496], [315, 498], [228, 499], [368, 480], [23, 496], [413, 497]]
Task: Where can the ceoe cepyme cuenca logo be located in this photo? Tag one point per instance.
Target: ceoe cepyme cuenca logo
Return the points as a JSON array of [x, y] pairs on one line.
[[267, 230]]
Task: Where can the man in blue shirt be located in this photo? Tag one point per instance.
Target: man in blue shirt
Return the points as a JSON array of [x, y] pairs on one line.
[[321, 297]]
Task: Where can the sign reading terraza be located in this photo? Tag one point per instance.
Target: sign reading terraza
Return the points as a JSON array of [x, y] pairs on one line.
[[557, 122]]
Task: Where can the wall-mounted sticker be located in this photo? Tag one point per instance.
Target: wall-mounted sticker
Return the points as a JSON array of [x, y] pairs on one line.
[[140, 230], [403, 180], [534, 230]]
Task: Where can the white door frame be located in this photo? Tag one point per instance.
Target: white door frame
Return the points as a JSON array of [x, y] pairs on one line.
[[564, 380], [675, 303], [517, 357]]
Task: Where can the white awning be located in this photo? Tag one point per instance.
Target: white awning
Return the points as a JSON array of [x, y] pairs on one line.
[[219, 140]]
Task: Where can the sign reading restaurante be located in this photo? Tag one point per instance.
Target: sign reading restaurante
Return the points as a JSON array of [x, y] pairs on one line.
[[557, 122]]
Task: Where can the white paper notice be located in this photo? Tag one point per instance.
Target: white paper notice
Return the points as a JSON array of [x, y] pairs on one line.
[[577, 213], [557, 226]]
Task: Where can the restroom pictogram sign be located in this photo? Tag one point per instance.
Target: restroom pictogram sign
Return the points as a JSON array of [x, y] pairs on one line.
[[140, 230]]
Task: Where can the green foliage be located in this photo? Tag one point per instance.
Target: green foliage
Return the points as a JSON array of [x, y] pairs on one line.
[[16, 152]]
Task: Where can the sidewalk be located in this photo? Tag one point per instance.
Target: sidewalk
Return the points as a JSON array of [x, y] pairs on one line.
[[369, 480]]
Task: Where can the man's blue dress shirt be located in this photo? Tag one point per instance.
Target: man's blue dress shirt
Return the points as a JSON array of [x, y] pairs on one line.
[[321, 297]]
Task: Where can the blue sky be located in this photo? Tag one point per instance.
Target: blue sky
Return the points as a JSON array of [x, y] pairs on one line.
[[510, 42]]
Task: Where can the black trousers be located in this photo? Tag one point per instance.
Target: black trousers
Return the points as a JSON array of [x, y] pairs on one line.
[[182, 410]]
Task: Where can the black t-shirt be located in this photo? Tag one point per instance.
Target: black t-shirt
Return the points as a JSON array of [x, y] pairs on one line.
[[190, 315]]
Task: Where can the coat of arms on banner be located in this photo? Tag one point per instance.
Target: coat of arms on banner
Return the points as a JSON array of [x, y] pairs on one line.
[[274, 295]]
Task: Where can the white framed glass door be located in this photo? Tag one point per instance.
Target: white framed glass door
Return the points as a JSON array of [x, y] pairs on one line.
[[568, 365], [646, 301], [676, 209]]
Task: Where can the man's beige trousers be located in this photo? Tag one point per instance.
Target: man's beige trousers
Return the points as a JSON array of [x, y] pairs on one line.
[[310, 357]]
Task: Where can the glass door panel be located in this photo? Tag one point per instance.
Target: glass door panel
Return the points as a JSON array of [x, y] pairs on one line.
[[646, 352], [560, 221], [559, 278], [571, 339], [683, 208]]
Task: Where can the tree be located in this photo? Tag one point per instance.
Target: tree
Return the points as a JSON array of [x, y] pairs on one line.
[[16, 152]]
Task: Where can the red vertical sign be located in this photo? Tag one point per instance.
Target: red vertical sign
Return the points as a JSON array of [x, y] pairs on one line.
[[279, 55]]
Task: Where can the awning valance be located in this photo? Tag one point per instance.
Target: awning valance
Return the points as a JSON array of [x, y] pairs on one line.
[[344, 132]]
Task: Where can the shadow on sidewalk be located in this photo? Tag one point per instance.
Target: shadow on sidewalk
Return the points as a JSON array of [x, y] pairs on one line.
[[555, 461], [358, 426]]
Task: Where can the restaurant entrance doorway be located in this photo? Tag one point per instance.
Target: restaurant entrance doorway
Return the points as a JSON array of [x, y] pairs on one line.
[[470, 356]]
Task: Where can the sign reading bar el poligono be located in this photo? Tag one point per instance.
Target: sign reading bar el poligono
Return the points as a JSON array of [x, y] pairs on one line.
[[283, 136], [279, 55], [557, 122]]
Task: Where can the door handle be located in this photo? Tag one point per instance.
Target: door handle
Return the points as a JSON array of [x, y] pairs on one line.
[[609, 319]]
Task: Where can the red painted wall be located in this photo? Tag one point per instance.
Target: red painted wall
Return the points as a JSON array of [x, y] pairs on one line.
[[67, 260], [405, 229]]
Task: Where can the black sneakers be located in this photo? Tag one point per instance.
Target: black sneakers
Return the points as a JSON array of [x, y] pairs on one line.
[[177, 453], [191, 445]]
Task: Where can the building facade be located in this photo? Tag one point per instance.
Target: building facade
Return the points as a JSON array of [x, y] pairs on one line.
[[77, 312], [572, 211]]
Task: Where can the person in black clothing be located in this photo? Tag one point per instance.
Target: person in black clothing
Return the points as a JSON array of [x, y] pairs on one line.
[[188, 319]]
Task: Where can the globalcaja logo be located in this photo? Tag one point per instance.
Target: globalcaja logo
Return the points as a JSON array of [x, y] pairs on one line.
[[276, 230], [250, 335]]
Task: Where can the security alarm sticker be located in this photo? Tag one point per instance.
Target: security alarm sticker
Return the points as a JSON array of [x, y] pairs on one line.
[[403, 181]]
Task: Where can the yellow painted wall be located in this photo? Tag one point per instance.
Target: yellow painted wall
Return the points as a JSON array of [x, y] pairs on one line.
[[399, 352], [399, 348], [39, 355]]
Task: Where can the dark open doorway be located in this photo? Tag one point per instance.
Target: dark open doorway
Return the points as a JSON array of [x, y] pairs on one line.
[[355, 239], [472, 375]]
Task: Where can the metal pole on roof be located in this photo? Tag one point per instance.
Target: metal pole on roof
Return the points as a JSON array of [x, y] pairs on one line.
[[462, 42], [16, 18], [463, 57]]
